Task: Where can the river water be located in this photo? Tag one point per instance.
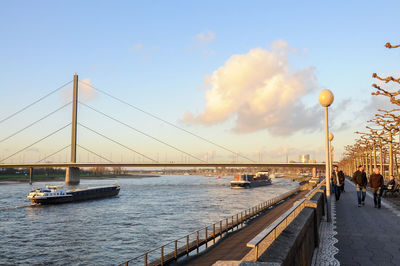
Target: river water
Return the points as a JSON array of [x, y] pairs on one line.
[[147, 213]]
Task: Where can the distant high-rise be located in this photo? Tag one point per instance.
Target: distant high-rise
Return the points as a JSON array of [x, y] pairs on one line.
[[304, 158]]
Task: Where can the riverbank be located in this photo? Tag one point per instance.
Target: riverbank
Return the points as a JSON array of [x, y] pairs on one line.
[[15, 179]]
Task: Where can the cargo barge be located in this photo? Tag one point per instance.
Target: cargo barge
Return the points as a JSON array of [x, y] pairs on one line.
[[59, 194], [251, 180]]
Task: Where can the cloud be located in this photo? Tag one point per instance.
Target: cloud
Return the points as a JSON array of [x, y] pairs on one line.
[[85, 90], [205, 37], [376, 102], [339, 115], [259, 91], [137, 47], [202, 40], [144, 51]]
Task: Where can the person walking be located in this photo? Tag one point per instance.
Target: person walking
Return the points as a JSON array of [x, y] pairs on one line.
[[360, 179], [376, 183], [342, 186], [337, 180]]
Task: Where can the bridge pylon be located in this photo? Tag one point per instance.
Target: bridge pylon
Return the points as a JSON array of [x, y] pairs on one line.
[[72, 176]]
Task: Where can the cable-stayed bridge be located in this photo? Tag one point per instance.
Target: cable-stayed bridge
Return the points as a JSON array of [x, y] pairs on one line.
[[72, 167]]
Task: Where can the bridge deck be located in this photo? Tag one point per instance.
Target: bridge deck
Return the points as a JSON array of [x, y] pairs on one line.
[[160, 164], [233, 247]]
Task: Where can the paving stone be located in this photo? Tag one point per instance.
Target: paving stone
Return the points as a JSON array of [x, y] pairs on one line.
[[366, 235]]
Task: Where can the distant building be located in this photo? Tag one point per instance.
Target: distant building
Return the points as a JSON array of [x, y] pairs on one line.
[[305, 158]]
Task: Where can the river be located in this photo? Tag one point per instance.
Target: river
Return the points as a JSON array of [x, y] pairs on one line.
[[147, 213]]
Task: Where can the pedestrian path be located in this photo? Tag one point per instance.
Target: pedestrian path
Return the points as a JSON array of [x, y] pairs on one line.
[[366, 235]]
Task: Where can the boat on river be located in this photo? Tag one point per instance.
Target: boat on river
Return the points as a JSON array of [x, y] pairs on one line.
[[251, 180], [60, 194]]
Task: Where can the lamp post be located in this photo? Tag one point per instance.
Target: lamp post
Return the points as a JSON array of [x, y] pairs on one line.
[[331, 136], [325, 98]]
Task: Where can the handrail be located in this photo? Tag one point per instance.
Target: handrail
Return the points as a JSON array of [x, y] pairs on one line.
[[311, 193], [224, 227], [265, 233], [272, 230]]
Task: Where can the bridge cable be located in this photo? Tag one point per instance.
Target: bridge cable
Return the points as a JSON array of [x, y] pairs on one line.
[[104, 158], [54, 132], [141, 132], [35, 102], [166, 122], [54, 153], [126, 147], [37, 121]]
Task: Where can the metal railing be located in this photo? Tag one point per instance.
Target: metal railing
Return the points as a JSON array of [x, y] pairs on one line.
[[312, 192], [265, 238], [200, 240]]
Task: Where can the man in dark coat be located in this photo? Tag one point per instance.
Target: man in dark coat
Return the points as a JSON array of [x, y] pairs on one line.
[[360, 179], [337, 180], [376, 183]]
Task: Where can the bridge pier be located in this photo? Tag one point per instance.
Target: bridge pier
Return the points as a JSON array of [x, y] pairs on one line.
[[30, 175], [72, 176]]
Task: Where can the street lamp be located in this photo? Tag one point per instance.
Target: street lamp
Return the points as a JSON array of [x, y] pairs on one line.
[[325, 98], [330, 153]]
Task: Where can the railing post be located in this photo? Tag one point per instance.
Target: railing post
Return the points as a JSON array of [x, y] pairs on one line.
[[237, 221], [256, 252], [241, 219], [197, 241], [176, 249], [213, 233], [126, 263], [187, 245], [162, 255], [220, 229], [145, 259], [232, 224], [206, 237], [226, 225]]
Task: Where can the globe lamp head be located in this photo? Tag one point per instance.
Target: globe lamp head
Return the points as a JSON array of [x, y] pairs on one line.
[[326, 98]]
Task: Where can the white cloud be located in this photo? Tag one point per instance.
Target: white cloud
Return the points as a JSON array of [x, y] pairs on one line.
[[85, 92], [205, 37], [259, 91], [202, 40]]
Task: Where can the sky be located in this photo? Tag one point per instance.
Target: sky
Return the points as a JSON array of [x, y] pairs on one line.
[[243, 74]]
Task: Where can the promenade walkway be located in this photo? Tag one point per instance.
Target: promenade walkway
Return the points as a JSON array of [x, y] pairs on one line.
[[234, 247], [366, 235]]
